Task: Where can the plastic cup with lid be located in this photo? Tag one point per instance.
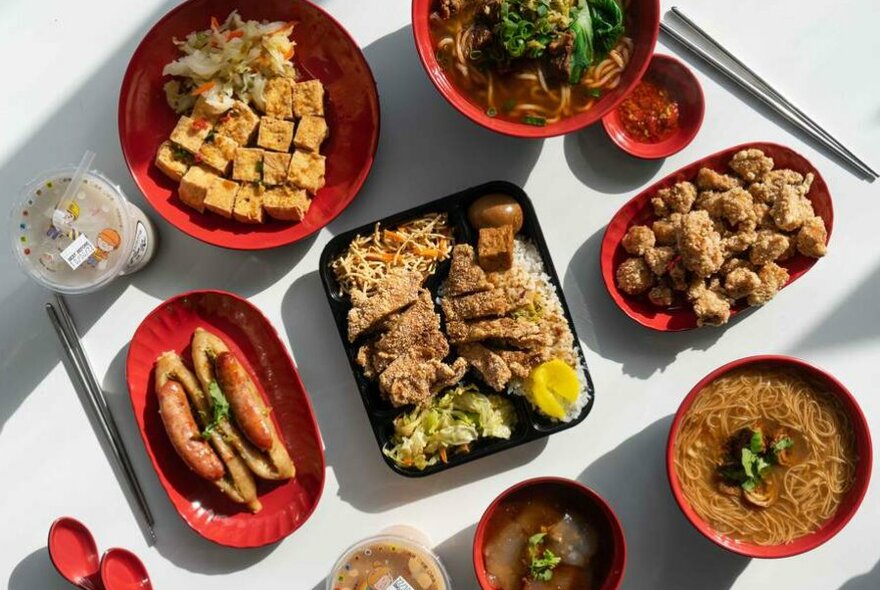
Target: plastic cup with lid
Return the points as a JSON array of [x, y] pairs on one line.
[[74, 231]]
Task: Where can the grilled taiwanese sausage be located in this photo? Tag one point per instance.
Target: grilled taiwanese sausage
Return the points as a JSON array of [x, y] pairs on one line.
[[185, 435], [244, 400]]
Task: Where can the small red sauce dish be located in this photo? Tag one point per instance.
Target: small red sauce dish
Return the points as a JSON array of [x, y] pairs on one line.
[[850, 502], [681, 87], [531, 502], [642, 26]]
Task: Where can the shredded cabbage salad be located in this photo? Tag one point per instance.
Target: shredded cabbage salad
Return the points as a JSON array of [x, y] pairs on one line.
[[452, 421], [232, 60]]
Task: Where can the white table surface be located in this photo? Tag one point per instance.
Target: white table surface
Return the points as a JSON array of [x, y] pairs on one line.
[[63, 64]]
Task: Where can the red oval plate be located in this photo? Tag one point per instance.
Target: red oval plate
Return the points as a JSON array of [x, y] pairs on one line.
[[324, 50], [286, 505], [639, 211], [848, 506]]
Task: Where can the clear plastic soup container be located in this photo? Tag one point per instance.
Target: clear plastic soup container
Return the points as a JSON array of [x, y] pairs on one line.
[[82, 244], [388, 562]]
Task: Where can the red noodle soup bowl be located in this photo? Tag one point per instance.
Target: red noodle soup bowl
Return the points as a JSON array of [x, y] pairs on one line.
[[643, 24], [611, 559], [851, 501]]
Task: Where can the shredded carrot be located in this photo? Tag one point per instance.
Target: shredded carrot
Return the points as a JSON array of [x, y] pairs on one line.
[[428, 252], [289, 53], [443, 455], [394, 236], [214, 23], [234, 34], [203, 88], [380, 256]]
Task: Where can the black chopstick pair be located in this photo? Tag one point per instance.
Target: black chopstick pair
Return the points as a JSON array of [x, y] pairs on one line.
[[68, 335], [755, 85]]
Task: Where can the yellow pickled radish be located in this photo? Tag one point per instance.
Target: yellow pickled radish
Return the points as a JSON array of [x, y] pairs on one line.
[[552, 386]]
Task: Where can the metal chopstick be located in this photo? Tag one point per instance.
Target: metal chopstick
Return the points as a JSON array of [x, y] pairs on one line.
[[770, 90], [67, 334], [769, 102]]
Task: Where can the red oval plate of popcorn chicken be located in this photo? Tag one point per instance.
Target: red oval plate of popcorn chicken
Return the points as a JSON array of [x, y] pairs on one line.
[[676, 257], [252, 178]]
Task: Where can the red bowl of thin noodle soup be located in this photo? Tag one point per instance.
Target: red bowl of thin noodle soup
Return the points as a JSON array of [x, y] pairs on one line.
[[467, 88], [775, 392]]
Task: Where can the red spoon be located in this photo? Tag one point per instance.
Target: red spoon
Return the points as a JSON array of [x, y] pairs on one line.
[[123, 570], [74, 554]]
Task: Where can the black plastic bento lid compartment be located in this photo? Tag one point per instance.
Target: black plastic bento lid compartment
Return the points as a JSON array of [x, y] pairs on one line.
[[532, 425]]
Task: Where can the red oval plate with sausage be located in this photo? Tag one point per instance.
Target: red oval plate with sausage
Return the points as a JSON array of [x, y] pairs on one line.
[[324, 50], [639, 211], [253, 340]]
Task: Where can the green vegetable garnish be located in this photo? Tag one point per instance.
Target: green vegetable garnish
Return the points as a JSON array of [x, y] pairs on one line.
[[782, 444], [754, 461], [595, 92], [219, 409], [597, 27], [491, 112], [536, 121], [541, 563]]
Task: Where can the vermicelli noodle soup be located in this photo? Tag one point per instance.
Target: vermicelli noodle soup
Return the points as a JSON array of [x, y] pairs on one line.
[[532, 61], [765, 455]]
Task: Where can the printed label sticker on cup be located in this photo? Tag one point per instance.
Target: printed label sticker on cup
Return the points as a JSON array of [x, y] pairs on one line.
[[400, 584], [78, 251]]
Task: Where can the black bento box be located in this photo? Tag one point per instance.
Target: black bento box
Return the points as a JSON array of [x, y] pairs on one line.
[[530, 425]]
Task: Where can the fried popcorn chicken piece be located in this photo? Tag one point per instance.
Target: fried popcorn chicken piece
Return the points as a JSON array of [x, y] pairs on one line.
[[737, 206], [710, 202], [660, 208], [741, 282], [634, 276], [731, 264], [712, 309], [812, 237], [658, 259], [791, 250], [700, 244], [666, 230], [763, 219], [773, 278], [739, 240], [661, 295], [638, 239], [751, 164], [709, 180], [678, 198], [791, 209], [771, 186], [768, 247], [678, 276]]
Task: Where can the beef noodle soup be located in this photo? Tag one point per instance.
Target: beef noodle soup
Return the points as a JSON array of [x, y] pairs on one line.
[[765, 455], [532, 61]]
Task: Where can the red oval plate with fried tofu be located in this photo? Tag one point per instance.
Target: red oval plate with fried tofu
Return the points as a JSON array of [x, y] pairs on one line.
[[247, 332], [639, 211], [324, 50]]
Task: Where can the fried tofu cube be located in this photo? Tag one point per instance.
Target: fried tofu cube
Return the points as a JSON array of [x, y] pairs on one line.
[[221, 197], [495, 248], [278, 98], [308, 98], [239, 123], [210, 111], [217, 152], [286, 203], [190, 133], [275, 165], [248, 164], [311, 133], [275, 134], [194, 187], [249, 204], [172, 160], [307, 171]]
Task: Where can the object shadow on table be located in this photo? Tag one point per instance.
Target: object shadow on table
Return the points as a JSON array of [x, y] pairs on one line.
[[36, 571], [664, 550], [365, 480], [609, 333], [456, 553], [427, 149], [849, 321], [598, 163], [867, 581], [175, 541]]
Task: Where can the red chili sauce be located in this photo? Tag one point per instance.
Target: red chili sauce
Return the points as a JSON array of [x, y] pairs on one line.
[[649, 114]]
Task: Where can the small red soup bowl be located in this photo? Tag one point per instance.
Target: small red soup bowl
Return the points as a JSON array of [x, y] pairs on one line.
[[611, 558], [642, 26], [683, 87], [851, 501]]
